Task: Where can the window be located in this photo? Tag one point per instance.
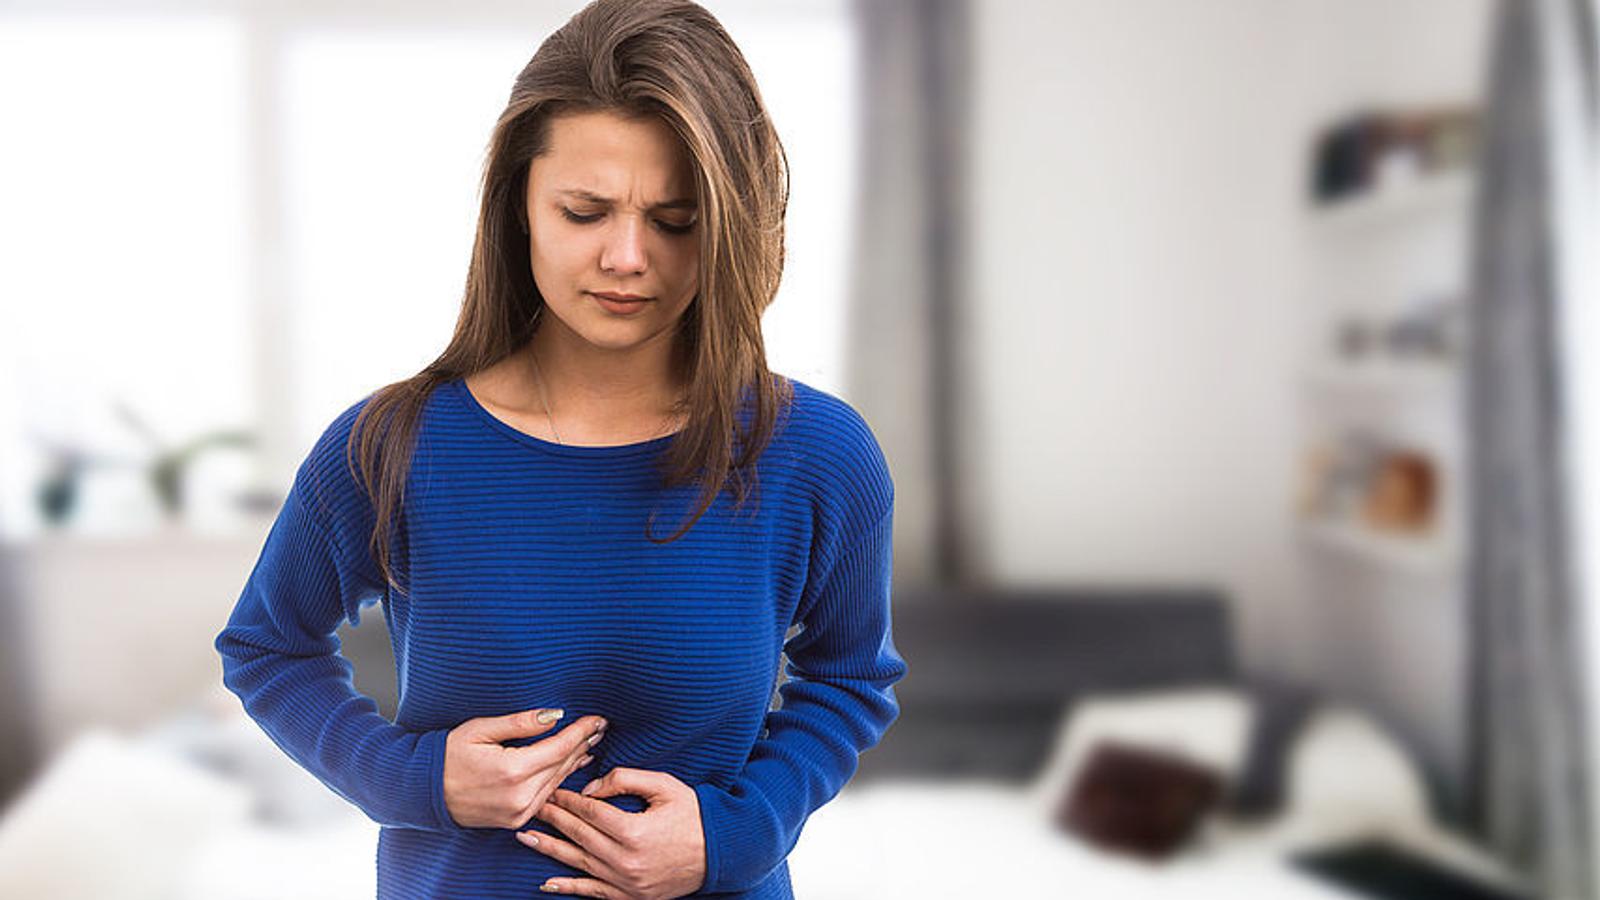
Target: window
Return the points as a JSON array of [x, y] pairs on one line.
[[251, 220], [125, 271]]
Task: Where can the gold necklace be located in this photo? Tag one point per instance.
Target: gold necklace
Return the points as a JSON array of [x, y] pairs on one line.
[[544, 400]]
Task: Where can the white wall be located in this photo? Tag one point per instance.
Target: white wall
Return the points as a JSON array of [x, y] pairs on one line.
[[1141, 272], [1137, 174]]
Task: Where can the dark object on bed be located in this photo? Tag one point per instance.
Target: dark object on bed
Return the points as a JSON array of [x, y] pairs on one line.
[[1377, 869], [990, 672], [1138, 801]]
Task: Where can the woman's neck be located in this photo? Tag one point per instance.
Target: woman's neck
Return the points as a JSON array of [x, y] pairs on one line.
[[601, 393]]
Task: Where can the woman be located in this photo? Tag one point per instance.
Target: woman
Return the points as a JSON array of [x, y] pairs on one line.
[[607, 370]]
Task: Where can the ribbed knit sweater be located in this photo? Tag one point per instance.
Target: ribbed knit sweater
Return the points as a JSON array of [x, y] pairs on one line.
[[529, 583]]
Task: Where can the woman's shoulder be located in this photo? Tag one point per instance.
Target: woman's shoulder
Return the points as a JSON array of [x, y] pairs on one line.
[[837, 446], [331, 476], [335, 435], [325, 475], [826, 419]]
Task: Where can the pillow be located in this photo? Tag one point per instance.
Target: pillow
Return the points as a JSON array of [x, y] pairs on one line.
[[1208, 726], [110, 818], [1138, 801], [1347, 780]]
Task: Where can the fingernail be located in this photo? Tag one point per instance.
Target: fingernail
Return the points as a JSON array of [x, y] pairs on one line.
[[585, 761], [594, 739], [590, 788], [549, 888], [527, 837], [550, 715]]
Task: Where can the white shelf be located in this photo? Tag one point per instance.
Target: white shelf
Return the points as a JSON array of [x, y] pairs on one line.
[[1430, 554], [1390, 205], [1428, 380]]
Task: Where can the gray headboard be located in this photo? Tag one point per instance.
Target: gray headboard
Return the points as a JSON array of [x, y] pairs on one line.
[[990, 672]]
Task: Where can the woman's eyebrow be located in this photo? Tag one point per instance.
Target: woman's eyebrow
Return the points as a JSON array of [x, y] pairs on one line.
[[591, 197]]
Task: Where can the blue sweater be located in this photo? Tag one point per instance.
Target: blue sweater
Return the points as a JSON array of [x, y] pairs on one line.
[[531, 584]]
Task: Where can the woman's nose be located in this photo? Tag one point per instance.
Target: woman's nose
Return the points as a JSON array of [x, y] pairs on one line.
[[624, 249]]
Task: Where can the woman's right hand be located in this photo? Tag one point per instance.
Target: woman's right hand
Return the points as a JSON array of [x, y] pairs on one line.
[[487, 785]]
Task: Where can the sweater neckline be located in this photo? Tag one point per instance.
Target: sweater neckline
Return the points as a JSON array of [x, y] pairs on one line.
[[638, 448]]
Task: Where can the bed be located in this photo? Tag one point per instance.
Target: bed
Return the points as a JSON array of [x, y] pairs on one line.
[[1006, 690], [985, 744]]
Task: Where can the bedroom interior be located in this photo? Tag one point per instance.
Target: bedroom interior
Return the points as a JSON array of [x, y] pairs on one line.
[[1226, 565]]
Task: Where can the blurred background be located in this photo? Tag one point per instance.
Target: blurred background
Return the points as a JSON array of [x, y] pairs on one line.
[[1234, 360]]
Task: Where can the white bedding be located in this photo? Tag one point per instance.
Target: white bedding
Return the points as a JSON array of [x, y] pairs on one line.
[[163, 828], [883, 842], [965, 839], [127, 818]]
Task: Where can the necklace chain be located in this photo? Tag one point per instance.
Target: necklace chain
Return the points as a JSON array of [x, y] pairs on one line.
[[544, 399]]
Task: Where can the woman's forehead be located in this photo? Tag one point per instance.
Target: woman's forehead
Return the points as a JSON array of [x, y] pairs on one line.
[[604, 158]]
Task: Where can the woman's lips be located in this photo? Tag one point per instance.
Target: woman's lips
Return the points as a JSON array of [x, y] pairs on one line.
[[620, 307]]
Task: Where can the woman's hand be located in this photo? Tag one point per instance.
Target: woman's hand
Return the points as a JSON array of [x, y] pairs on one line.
[[487, 785], [649, 855]]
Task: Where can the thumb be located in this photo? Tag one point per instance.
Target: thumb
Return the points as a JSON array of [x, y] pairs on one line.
[[517, 724], [638, 782]]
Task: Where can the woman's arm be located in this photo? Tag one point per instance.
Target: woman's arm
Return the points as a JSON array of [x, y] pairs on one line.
[[280, 655], [838, 702]]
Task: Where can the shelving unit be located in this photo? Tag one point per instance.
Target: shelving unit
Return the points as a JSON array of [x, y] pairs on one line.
[[1383, 379], [1386, 607], [1383, 209], [1373, 256], [1426, 556]]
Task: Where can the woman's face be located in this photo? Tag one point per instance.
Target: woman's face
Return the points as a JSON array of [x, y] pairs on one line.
[[611, 210]]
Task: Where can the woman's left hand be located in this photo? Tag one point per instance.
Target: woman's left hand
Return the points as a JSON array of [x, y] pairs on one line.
[[649, 855]]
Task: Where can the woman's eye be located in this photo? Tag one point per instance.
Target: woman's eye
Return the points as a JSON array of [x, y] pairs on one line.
[[668, 227]]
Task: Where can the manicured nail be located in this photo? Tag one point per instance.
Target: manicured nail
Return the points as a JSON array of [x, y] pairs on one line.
[[550, 715], [585, 761], [594, 739], [550, 887], [527, 837]]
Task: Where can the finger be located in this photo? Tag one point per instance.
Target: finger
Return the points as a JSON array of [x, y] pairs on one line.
[[567, 852], [591, 811], [542, 795], [582, 832], [517, 725], [645, 783], [573, 741], [583, 887], [560, 754], [560, 775]]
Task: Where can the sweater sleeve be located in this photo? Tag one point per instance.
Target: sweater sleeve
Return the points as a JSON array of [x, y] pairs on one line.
[[837, 702], [280, 655]]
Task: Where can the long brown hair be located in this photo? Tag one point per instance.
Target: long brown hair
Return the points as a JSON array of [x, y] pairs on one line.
[[665, 58]]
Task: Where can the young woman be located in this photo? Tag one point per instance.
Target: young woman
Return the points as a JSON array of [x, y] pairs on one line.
[[606, 374]]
